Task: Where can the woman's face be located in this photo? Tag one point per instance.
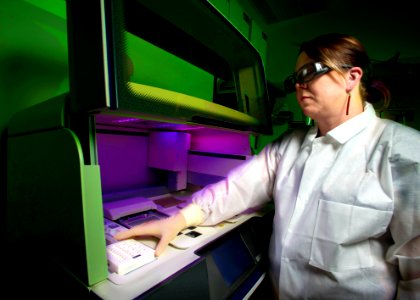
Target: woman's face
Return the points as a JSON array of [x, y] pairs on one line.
[[324, 96]]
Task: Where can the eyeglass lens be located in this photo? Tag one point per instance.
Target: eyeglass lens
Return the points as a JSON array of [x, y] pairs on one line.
[[304, 75]]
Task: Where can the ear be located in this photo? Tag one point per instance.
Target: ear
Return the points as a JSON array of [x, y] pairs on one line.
[[354, 76]]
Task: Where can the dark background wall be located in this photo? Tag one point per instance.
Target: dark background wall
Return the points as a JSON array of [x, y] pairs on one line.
[[389, 30]]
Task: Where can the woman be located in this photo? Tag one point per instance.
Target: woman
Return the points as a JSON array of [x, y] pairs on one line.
[[346, 191]]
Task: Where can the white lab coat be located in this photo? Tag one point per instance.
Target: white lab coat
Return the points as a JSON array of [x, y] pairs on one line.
[[347, 209]]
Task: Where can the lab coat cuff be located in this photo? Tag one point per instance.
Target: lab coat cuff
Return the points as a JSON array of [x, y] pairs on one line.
[[193, 214]]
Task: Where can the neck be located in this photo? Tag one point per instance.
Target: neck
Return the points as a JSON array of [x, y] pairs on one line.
[[327, 124]]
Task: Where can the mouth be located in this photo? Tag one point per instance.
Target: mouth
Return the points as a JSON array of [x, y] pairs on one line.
[[303, 98]]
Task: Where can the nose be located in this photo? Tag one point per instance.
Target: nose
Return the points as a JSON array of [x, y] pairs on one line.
[[301, 85]]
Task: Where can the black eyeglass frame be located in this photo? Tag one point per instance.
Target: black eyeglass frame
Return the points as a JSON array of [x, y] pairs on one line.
[[302, 75]]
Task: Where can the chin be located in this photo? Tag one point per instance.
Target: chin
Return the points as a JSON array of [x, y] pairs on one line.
[[309, 113]]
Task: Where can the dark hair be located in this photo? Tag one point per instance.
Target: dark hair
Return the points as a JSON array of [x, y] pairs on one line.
[[336, 50]]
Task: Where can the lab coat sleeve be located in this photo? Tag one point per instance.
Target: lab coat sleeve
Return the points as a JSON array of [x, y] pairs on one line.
[[405, 224], [247, 186]]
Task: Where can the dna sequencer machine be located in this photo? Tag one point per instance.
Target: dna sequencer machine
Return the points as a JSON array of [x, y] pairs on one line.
[[164, 98]]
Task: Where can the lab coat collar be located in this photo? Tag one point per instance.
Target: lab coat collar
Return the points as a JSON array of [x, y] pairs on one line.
[[350, 128]]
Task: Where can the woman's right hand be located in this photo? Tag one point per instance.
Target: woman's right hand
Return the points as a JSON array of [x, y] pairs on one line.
[[165, 229]]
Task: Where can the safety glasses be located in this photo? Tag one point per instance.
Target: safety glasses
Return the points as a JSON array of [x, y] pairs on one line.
[[304, 75]]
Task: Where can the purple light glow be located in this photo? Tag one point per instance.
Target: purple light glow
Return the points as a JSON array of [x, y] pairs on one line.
[[132, 122], [123, 162], [219, 141], [169, 150], [131, 162]]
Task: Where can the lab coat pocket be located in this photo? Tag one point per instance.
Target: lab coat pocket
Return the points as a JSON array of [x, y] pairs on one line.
[[341, 235]]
